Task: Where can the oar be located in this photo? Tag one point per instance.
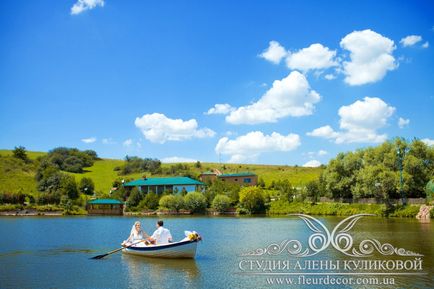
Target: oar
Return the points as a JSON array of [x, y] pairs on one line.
[[114, 251]]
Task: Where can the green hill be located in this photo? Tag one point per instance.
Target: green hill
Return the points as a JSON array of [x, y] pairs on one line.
[[16, 176]]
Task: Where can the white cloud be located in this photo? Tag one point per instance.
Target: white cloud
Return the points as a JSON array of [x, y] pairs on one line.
[[425, 45], [402, 122], [312, 164], [359, 122], [158, 128], [329, 76], [428, 142], [371, 57], [410, 40], [249, 146], [274, 53], [324, 132], [177, 160], [127, 142], [83, 5], [315, 56], [291, 96], [108, 141], [89, 140], [322, 152], [220, 108]]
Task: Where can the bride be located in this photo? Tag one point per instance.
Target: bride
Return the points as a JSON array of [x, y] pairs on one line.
[[136, 235]]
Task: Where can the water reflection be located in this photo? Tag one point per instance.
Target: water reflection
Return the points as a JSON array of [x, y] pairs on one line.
[[160, 273]]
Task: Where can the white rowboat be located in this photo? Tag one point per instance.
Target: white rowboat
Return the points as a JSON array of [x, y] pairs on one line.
[[176, 250]]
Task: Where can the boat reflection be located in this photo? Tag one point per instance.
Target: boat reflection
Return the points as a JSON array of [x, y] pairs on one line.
[[159, 273]]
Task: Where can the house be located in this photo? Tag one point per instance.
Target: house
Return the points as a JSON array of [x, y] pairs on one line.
[[105, 207], [243, 178], [160, 185]]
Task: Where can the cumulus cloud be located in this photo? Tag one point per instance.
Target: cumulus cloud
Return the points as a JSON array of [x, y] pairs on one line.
[[291, 96], [410, 40], [324, 132], [359, 122], [428, 142], [127, 142], [219, 108], [402, 122], [83, 5], [158, 128], [178, 160], [274, 53], [425, 45], [89, 140], [370, 57], [316, 56], [312, 164], [249, 146], [322, 152]]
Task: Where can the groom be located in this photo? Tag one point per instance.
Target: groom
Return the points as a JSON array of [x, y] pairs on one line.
[[161, 236]]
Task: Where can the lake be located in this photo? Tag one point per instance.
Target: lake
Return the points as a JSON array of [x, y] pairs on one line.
[[54, 252]]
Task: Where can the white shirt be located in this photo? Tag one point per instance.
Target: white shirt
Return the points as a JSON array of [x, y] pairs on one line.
[[161, 236]]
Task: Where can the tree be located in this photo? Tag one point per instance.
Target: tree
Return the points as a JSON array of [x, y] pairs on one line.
[[20, 153], [195, 202], [150, 201], [86, 186], [261, 183], [171, 202], [198, 165], [285, 190], [313, 191], [252, 200], [221, 203], [134, 198], [69, 187]]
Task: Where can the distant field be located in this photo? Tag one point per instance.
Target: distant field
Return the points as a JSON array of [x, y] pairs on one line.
[[14, 178]]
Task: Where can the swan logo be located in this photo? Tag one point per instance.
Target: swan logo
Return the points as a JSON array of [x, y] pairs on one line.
[[340, 238]]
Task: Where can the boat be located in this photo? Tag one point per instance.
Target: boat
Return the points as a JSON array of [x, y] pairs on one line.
[[177, 250]]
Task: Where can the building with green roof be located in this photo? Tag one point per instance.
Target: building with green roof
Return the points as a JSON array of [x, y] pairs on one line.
[[241, 178], [105, 207], [160, 185]]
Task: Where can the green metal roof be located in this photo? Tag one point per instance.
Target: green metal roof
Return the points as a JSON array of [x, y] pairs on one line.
[[175, 181], [105, 202], [243, 174]]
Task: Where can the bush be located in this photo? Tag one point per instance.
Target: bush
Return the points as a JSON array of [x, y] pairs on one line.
[[86, 186], [221, 203], [252, 200], [150, 201], [195, 202], [134, 198], [171, 202], [9, 198]]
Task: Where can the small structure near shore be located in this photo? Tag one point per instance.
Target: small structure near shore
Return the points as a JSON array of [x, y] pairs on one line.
[[105, 207], [242, 178]]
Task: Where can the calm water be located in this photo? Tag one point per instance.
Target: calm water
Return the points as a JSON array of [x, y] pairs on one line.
[[53, 252]]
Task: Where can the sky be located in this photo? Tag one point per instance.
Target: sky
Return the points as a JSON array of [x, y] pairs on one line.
[[263, 82]]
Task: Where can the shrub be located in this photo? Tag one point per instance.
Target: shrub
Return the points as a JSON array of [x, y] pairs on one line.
[[171, 202], [221, 203], [150, 201], [195, 202], [134, 198], [86, 186], [252, 200]]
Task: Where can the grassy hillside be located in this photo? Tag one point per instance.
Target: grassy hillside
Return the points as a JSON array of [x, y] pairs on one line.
[[15, 175]]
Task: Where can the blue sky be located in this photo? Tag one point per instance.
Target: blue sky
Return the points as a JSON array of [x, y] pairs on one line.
[[273, 82]]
